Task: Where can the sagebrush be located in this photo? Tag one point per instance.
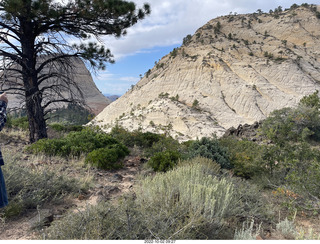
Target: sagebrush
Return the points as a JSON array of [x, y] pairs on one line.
[[191, 201]]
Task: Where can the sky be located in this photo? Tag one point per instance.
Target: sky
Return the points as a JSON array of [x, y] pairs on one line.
[[164, 29]]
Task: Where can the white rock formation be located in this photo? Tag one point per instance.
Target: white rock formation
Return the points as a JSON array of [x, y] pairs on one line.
[[93, 98], [235, 69]]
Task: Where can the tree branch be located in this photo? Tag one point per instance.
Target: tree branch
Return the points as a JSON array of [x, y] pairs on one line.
[[15, 58], [52, 60], [57, 101], [8, 27]]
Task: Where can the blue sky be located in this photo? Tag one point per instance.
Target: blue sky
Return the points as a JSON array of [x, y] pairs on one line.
[[119, 77], [155, 36]]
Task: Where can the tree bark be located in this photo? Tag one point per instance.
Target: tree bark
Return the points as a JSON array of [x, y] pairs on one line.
[[37, 124], [35, 112]]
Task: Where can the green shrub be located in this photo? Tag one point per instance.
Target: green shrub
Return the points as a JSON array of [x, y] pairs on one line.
[[73, 144], [138, 138], [17, 122], [145, 139], [303, 162], [195, 103], [289, 166], [151, 143], [164, 161], [163, 144], [65, 128], [49, 147], [312, 101], [278, 127], [87, 140], [187, 40], [245, 156], [294, 124], [174, 52], [210, 148], [108, 157]]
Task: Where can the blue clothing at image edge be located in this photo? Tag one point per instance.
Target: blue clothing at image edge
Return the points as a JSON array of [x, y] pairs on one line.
[[3, 120], [3, 191]]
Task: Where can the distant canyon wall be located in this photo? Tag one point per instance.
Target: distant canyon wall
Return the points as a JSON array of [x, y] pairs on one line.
[[95, 101]]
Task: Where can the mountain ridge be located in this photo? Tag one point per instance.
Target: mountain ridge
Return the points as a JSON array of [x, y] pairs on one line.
[[235, 69]]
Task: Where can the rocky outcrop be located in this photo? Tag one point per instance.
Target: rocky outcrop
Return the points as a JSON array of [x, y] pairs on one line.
[[94, 100], [246, 131], [236, 69]]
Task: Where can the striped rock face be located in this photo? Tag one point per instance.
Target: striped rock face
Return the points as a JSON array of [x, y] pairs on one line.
[[81, 87], [235, 69]]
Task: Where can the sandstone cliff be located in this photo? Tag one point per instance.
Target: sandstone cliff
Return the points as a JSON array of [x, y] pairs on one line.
[[235, 69], [81, 77], [93, 97]]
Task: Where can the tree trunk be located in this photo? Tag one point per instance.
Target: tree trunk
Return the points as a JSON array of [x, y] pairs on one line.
[[37, 124]]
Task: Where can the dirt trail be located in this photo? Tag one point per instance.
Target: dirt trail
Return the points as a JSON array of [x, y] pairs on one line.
[[109, 185]]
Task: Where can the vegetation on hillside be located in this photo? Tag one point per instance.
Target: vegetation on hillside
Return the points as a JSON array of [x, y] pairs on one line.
[[71, 114], [192, 201], [211, 188], [30, 188]]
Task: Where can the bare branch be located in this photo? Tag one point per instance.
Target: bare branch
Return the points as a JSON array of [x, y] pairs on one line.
[[57, 101], [10, 28], [10, 35], [15, 58], [54, 59]]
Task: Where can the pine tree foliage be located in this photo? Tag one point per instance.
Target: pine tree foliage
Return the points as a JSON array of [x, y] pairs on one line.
[[35, 50]]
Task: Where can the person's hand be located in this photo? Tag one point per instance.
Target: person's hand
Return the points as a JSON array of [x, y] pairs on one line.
[[3, 97]]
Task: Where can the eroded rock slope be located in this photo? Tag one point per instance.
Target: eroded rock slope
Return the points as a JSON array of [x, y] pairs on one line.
[[235, 69]]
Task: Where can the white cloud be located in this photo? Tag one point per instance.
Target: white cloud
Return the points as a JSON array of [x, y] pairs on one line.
[[104, 76], [114, 83], [116, 88], [129, 79], [171, 20]]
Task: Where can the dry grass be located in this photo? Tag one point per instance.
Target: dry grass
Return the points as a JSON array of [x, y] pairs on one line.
[[146, 218]]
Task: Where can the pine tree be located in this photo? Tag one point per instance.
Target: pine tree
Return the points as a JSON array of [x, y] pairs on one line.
[[34, 47]]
